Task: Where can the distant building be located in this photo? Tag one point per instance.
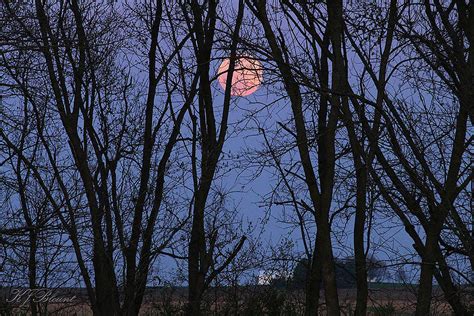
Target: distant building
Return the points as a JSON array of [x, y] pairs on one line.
[[266, 277]]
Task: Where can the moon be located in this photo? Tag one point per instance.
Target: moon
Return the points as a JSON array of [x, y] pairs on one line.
[[247, 76]]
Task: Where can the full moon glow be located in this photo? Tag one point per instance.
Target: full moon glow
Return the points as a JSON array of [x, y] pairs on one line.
[[247, 76]]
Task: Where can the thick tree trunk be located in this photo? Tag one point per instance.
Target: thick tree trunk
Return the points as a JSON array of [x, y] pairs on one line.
[[196, 288], [313, 284], [423, 301], [328, 271], [106, 300], [335, 30], [197, 262]]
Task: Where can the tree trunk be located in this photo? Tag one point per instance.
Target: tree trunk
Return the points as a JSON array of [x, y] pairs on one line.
[[359, 251], [197, 262], [328, 271], [321, 201], [425, 288], [313, 285], [196, 289], [451, 293], [106, 300], [32, 269]]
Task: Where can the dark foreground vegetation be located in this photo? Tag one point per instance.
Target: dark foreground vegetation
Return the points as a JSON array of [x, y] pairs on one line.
[[386, 299]]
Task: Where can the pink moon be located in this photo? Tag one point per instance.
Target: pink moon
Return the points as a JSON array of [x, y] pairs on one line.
[[247, 76]]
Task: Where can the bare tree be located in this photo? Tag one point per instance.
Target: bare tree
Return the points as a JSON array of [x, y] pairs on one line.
[[87, 96], [427, 187], [321, 192], [202, 269], [113, 149]]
